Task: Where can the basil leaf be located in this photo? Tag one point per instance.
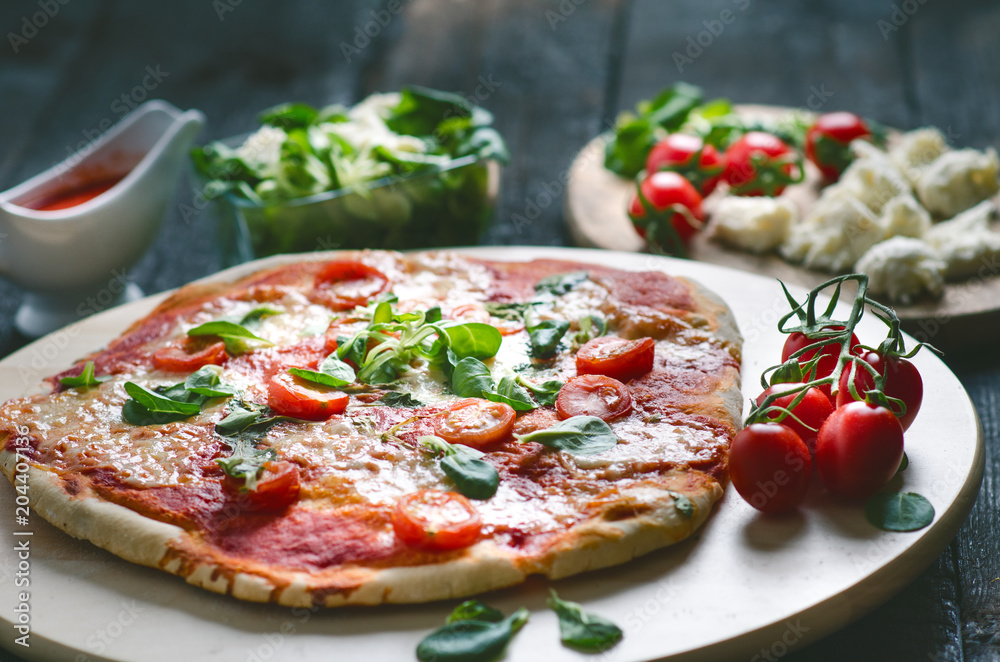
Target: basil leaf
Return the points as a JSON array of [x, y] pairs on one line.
[[135, 414], [513, 312], [583, 630], [545, 337], [474, 610], [471, 641], [471, 378], [238, 338], [508, 392], [561, 283], [474, 478], [247, 418], [545, 392], [85, 378], [433, 315], [352, 349], [156, 403], [684, 505], [332, 372], [579, 435], [396, 399], [207, 381], [179, 393], [903, 464], [473, 339], [246, 463], [253, 319], [899, 511]]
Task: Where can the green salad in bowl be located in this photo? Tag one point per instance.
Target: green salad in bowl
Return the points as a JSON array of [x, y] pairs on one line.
[[412, 169]]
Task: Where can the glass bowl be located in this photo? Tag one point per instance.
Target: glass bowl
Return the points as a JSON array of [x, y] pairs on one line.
[[449, 206]]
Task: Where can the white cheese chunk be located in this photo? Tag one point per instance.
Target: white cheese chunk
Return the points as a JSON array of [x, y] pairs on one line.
[[903, 216], [903, 268], [973, 220], [966, 243], [874, 180], [838, 230], [957, 180], [916, 150], [757, 225]]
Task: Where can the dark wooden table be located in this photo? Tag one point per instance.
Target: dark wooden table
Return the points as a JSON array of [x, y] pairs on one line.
[[555, 73]]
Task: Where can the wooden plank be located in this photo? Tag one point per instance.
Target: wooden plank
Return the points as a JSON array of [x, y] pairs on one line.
[[547, 65]]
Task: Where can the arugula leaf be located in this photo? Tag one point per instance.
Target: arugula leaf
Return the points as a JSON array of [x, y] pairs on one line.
[[85, 379], [578, 435], [396, 399], [513, 312], [207, 381], [471, 378], [583, 630], [590, 327], [899, 511], [332, 372], [383, 313], [473, 339], [352, 349], [545, 337], [155, 403], [510, 393], [545, 392], [561, 283], [474, 610], [238, 338], [473, 476], [471, 640]]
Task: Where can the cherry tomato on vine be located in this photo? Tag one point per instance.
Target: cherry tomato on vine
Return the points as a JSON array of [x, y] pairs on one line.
[[689, 156], [436, 521], [760, 163], [902, 381], [673, 200], [475, 422], [828, 140], [593, 395], [858, 450], [189, 356], [812, 410], [291, 396], [827, 363], [616, 357], [770, 467], [345, 284]]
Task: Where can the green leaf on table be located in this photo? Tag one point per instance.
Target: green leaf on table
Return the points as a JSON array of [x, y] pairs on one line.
[[560, 284], [903, 464], [546, 336], [474, 610], [545, 393], [578, 435], [332, 372], [581, 629], [85, 379], [899, 511], [207, 381], [471, 640]]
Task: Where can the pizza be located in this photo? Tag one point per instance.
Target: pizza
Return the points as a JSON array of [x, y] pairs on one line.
[[375, 427]]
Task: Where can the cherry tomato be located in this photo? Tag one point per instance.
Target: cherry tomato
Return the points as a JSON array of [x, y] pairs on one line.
[[902, 381], [687, 155], [348, 283], [189, 356], [777, 165], [277, 488], [436, 521], [663, 190], [828, 139], [475, 422], [593, 395], [813, 410], [827, 363], [290, 396], [858, 450], [770, 467], [616, 357], [473, 312]]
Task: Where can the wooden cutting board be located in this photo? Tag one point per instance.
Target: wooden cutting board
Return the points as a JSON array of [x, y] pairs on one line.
[[596, 199]]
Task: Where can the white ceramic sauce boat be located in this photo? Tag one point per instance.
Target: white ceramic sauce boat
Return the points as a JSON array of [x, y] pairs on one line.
[[73, 262]]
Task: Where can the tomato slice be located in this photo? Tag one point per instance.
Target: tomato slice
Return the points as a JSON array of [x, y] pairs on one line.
[[277, 489], [436, 521], [290, 396], [616, 357], [593, 395], [473, 312], [189, 356], [347, 283], [474, 422]]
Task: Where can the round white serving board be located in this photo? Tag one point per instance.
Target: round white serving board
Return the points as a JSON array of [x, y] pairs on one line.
[[743, 584]]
